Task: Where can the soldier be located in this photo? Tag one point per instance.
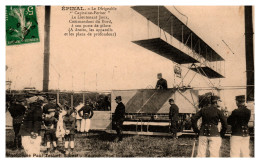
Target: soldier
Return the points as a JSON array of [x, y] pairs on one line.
[[119, 117], [87, 114], [69, 120], [17, 111], [31, 127], [161, 83], [208, 133], [174, 117], [239, 118], [50, 124]]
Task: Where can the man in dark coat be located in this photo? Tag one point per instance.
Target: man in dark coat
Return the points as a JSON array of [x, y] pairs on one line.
[[17, 111], [208, 133], [31, 127], [174, 117], [239, 118], [119, 117], [161, 83]]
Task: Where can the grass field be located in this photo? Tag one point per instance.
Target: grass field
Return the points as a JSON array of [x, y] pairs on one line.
[[101, 144]]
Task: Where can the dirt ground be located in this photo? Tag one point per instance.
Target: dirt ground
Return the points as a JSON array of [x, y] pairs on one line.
[[101, 144]]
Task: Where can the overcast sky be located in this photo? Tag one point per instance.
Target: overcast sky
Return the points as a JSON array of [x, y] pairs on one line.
[[116, 62]]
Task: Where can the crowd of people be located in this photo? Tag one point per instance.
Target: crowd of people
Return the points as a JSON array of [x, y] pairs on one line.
[[61, 122], [34, 113]]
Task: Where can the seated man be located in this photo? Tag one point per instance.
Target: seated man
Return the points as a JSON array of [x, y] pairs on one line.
[[161, 83]]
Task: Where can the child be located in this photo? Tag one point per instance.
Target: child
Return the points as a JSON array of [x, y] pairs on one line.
[[50, 124], [69, 121]]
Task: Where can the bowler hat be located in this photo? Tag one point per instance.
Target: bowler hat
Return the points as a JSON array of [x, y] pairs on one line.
[[240, 98], [118, 98], [171, 100]]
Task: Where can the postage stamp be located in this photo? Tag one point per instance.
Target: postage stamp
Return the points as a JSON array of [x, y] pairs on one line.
[[21, 25]]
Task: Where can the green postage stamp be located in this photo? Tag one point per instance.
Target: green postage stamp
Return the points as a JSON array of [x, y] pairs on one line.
[[21, 25]]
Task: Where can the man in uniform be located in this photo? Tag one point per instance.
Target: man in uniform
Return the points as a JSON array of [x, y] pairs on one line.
[[161, 83], [17, 111], [174, 117], [239, 118], [119, 117], [208, 133], [86, 112], [69, 121], [31, 127]]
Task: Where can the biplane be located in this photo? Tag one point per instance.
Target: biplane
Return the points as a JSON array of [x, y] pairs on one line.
[[147, 109]]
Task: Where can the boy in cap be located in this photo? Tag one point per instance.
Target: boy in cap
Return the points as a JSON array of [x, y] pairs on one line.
[[174, 117], [50, 124], [69, 120], [208, 133], [119, 117], [239, 118], [50, 105]]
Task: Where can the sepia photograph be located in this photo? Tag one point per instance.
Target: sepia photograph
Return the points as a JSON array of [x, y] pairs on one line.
[[129, 81]]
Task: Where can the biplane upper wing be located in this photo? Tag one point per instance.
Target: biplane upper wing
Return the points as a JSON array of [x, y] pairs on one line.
[[162, 17]]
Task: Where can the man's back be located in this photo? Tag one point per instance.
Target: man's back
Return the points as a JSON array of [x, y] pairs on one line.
[[238, 118]]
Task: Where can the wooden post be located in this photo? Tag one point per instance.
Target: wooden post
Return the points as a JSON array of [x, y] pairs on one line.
[[46, 61], [249, 44], [71, 98], [84, 98], [58, 97]]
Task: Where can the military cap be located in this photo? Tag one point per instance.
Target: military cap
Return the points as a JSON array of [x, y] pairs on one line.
[[171, 100], [215, 98], [118, 98], [240, 98], [51, 98]]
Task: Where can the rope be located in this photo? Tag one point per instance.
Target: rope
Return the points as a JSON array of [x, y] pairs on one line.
[[182, 14]]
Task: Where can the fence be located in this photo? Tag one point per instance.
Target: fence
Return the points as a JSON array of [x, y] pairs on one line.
[[99, 100]]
